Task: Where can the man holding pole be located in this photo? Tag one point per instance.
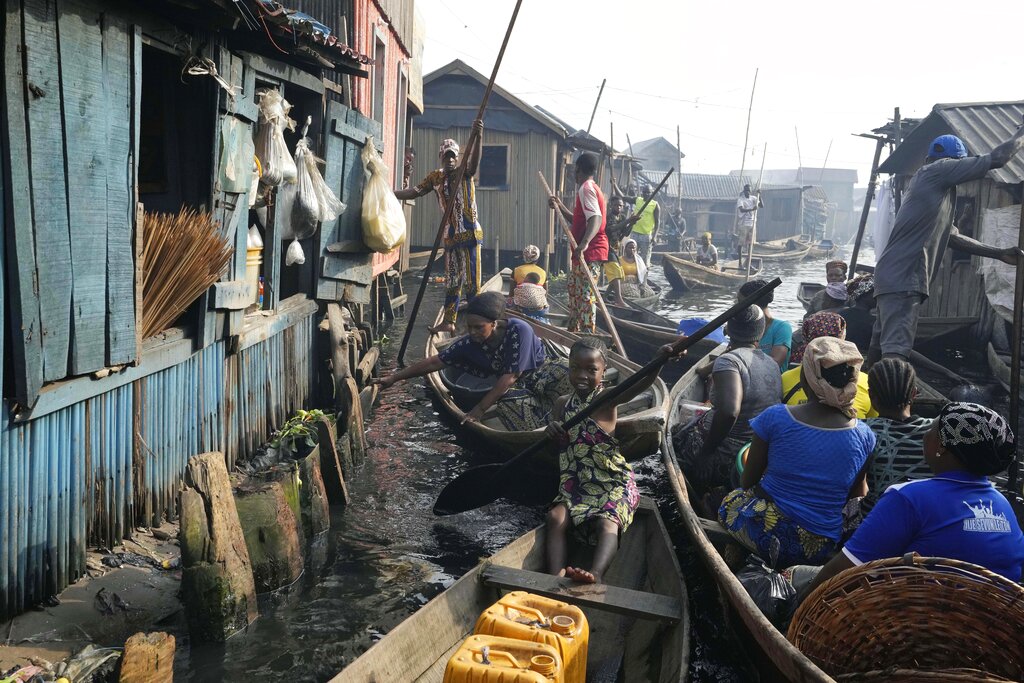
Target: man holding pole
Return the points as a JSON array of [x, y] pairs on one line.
[[923, 228], [746, 213], [588, 229], [648, 221], [463, 236]]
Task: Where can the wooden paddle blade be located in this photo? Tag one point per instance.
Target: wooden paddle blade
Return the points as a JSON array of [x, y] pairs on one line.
[[532, 488], [474, 488]]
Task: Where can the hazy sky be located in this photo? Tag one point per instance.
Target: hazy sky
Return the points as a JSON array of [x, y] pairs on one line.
[[827, 69]]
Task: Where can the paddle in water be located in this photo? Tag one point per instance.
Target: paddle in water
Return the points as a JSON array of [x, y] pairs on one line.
[[519, 477]]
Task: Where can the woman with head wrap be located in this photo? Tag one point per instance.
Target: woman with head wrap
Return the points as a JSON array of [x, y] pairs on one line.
[[804, 463], [531, 254], [860, 320], [527, 382], [627, 279], [746, 381], [830, 299], [778, 334], [957, 513], [823, 324]]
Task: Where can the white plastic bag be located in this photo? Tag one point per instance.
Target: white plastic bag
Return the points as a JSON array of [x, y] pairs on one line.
[[278, 165], [328, 203], [383, 218], [294, 255]]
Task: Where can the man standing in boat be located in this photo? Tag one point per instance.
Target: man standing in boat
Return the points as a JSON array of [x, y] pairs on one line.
[[923, 228], [463, 234], [588, 229], [746, 213], [647, 223]]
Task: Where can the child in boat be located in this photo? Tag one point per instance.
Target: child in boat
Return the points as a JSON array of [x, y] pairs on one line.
[[597, 493], [530, 298]]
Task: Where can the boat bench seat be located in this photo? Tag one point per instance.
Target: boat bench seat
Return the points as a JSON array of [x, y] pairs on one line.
[[595, 596]]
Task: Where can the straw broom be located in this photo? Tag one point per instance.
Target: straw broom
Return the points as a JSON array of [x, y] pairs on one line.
[[183, 256]]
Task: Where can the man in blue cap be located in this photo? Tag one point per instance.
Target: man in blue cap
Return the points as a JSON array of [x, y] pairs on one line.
[[923, 228]]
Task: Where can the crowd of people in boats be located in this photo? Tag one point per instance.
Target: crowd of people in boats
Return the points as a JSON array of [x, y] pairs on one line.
[[813, 449]]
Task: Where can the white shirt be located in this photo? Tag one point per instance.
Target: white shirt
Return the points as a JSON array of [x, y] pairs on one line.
[[746, 217], [587, 194]]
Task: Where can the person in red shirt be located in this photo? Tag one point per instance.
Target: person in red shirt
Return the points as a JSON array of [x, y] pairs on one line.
[[588, 229]]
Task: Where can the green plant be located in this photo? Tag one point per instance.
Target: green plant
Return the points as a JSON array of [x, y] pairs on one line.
[[300, 428]]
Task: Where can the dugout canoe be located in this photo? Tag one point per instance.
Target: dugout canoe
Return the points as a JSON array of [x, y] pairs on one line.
[[794, 252], [684, 275], [776, 658], [639, 618], [640, 422]]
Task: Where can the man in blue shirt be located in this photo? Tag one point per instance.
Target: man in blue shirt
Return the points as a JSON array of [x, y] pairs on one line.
[[958, 513]]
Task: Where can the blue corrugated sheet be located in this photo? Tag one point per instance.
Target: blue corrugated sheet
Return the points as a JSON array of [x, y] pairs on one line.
[[67, 479]]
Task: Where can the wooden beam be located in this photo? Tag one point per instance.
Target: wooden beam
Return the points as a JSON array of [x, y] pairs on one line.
[[638, 604], [284, 73], [234, 295], [262, 327]]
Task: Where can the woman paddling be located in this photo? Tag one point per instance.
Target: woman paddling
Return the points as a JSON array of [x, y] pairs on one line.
[[528, 382]]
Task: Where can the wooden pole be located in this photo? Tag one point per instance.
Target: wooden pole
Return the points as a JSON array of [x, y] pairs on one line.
[[1015, 351], [629, 179], [897, 124], [872, 183], [753, 231], [799, 158], [590, 276], [743, 164], [679, 192], [596, 102], [460, 173]]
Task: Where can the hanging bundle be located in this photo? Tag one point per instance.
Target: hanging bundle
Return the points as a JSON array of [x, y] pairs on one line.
[[330, 207], [271, 150], [294, 255], [383, 218]]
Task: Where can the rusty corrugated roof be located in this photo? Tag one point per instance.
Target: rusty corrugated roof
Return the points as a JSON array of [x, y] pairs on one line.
[[981, 125]]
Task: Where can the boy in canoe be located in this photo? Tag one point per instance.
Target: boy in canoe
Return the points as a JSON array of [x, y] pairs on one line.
[[597, 492]]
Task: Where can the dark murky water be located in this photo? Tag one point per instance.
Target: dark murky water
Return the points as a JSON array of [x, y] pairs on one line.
[[387, 555]]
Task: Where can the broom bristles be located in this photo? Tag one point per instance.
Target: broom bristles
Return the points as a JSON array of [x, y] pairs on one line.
[[183, 256]]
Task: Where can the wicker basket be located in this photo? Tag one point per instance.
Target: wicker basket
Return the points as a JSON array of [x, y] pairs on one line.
[[922, 615], [918, 676]]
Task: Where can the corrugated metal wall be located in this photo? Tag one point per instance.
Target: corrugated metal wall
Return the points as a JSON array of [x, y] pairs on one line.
[[517, 216], [67, 478]]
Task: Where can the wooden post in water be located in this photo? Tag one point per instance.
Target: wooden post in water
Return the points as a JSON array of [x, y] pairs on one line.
[[753, 231], [872, 183], [1018, 320]]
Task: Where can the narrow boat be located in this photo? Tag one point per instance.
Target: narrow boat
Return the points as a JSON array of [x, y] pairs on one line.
[[639, 618], [776, 657], [777, 246], [683, 274], [795, 252], [806, 291], [640, 421]]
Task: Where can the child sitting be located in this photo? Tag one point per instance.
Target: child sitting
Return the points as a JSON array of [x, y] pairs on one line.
[[597, 493], [530, 298]]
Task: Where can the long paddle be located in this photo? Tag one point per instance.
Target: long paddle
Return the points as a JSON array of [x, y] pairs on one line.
[[484, 484], [586, 271], [460, 174]]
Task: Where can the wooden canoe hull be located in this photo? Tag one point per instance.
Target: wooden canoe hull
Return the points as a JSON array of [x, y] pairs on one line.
[[787, 256], [685, 275], [418, 649], [999, 365]]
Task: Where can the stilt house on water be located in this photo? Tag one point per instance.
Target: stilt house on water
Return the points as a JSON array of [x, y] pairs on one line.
[[969, 291], [116, 109]]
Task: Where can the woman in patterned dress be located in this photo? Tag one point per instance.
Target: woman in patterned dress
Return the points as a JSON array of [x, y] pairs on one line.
[[597, 492]]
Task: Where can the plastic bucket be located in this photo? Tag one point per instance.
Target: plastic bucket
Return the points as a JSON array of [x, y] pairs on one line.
[[253, 262]]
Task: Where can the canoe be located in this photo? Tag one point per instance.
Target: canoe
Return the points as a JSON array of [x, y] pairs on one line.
[[683, 274], [639, 618], [998, 364], [825, 248], [643, 332], [776, 246], [772, 652], [640, 421], [806, 291], [796, 252]]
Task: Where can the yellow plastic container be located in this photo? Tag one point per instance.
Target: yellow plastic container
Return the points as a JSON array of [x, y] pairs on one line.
[[493, 659], [542, 620]]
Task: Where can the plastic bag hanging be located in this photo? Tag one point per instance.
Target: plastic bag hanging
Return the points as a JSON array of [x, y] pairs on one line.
[[383, 218], [329, 206], [271, 150], [294, 255]]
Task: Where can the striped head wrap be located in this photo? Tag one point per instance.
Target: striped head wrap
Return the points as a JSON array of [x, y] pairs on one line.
[[978, 436]]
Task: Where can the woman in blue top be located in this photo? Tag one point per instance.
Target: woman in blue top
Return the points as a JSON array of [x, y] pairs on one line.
[[527, 384], [778, 334], [958, 513], [805, 462]]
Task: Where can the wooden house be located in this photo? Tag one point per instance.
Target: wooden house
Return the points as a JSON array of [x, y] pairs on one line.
[[657, 155], [518, 141], [113, 108], [958, 291]]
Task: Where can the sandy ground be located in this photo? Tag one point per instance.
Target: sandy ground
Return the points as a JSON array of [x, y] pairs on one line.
[[149, 595]]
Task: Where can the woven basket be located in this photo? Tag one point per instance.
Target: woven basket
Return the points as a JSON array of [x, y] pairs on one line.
[[918, 676], [922, 615]]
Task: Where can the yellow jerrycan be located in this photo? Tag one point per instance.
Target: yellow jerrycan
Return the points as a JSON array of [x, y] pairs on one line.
[[493, 659], [542, 620]]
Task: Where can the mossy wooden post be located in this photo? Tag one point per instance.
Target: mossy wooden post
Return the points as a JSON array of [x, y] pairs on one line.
[[331, 468], [269, 513], [217, 582], [148, 658], [354, 430], [315, 512], [339, 354]]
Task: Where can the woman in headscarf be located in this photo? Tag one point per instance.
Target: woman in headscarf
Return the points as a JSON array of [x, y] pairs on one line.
[[531, 254], [746, 382], [835, 275], [527, 382], [860, 321], [957, 513], [628, 278], [804, 463], [823, 324]]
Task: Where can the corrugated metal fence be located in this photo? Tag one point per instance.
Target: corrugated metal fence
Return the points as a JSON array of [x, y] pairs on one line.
[[67, 478]]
